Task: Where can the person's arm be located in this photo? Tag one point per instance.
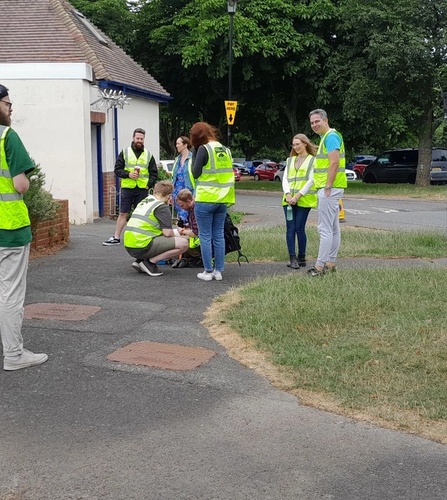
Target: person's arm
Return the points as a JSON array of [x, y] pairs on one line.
[[21, 183], [19, 161], [201, 159], [153, 173], [119, 167], [163, 215]]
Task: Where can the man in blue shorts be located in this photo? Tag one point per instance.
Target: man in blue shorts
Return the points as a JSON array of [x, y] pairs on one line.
[[136, 168], [330, 182]]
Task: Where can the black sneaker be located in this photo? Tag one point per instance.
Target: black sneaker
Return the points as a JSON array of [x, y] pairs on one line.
[[150, 268], [111, 241]]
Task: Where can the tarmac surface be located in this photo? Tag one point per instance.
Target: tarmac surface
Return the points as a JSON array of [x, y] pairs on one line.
[[83, 427]]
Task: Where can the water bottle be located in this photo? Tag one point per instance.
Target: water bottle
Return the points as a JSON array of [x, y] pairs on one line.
[[289, 212]]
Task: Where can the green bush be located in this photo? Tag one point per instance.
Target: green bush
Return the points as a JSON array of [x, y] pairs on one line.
[[163, 175], [40, 202]]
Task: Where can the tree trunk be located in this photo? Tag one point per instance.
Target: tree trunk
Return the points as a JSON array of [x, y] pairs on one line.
[[425, 149]]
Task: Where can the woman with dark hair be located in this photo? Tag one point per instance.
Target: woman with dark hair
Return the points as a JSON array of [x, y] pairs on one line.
[[214, 190], [180, 174], [299, 196]]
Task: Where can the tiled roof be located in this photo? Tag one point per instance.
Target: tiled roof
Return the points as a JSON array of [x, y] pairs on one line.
[[45, 31]]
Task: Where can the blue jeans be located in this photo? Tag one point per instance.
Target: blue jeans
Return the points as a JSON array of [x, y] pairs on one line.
[[297, 226], [211, 219]]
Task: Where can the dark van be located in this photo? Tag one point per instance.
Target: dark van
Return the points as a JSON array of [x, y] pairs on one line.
[[400, 166]]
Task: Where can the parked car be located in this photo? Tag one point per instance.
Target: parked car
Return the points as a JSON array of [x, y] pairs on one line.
[[358, 159], [400, 165], [350, 174], [247, 168], [360, 166], [265, 171], [279, 173], [237, 174], [241, 167]]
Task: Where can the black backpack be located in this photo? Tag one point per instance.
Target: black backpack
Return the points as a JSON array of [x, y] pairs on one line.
[[232, 239]]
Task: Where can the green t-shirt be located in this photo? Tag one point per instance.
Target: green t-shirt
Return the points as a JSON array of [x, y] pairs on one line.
[[19, 161]]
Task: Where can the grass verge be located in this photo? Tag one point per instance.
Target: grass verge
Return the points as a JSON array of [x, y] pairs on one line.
[[269, 244], [380, 355], [361, 189]]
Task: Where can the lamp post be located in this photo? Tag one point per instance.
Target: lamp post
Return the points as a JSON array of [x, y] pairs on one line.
[[231, 8]]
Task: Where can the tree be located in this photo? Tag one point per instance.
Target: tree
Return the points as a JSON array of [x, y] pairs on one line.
[[397, 53], [114, 17]]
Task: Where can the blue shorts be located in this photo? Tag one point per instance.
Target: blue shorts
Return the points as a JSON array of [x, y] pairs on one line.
[[131, 197]]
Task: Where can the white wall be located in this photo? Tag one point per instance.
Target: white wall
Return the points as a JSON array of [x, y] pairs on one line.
[[52, 118], [140, 113]]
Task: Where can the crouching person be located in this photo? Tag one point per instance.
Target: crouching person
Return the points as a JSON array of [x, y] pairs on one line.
[[192, 257], [149, 236]]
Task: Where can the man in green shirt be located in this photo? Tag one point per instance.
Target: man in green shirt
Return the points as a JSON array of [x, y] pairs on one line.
[[15, 238]]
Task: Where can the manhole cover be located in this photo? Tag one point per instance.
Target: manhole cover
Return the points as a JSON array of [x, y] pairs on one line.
[[60, 312], [164, 356]]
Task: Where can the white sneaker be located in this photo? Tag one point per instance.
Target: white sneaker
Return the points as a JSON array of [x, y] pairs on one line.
[[217, 275], [26, 359], [205, 276]]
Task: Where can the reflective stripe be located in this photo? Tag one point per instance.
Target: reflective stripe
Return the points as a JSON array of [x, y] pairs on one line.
[[11, 197], [325, 156], [326, 170], [215, 184], [139, 230], [144, 218], [5, 173]]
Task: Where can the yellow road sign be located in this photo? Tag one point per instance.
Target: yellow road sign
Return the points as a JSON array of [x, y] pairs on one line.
[[230, 108]]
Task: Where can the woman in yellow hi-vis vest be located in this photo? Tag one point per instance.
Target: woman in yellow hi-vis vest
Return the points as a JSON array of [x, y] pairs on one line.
[[214, 190], [299, 196]]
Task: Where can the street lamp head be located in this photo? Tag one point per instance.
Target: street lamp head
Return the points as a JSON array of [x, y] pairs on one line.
[[231, 6]]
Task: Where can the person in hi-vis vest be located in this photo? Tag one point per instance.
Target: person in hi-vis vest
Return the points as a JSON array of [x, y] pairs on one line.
[[149, 237], [213, 176], [15, 238], [299, 196], [136, 168], [330, 182]]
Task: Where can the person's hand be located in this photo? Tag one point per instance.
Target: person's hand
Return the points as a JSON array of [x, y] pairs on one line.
[[133, 175], [293, 200]]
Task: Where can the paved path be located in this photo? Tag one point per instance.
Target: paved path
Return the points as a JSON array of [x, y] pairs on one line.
[[80, 427]]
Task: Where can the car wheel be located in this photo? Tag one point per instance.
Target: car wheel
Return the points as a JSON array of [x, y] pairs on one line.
[[412, 179], [369, 179], [256, 177], [277, 179]]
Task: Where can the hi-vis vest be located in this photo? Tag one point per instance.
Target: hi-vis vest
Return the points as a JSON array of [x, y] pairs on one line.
[[321, 167], [143, 226], [13, 211], [131, 161], [298, 178], [216, 183]]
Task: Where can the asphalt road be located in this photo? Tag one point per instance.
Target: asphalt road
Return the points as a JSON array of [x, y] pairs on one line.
[[263, 209]]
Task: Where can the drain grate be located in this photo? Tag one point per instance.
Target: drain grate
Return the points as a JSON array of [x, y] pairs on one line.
[[60, 312], [164, 356]]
